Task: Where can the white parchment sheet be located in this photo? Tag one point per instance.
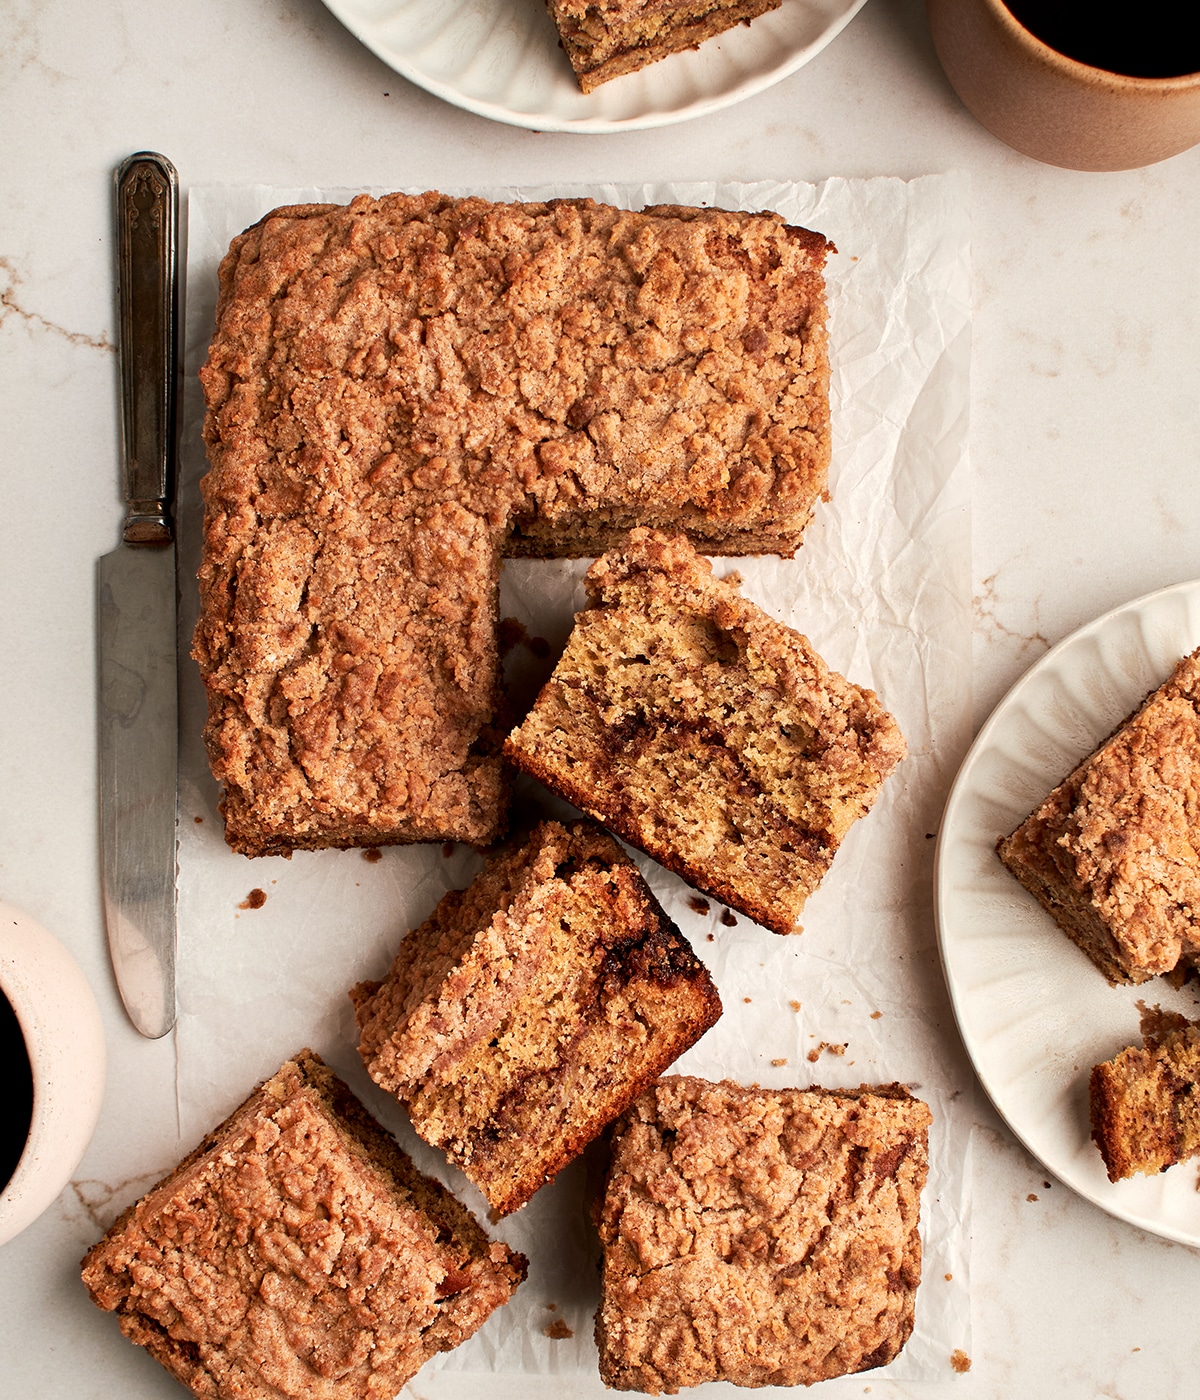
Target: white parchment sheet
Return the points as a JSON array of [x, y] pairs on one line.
[[882, 589]]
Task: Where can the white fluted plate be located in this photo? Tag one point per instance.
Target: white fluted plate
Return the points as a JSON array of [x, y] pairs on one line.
[[1034, 1013], [501, 59]]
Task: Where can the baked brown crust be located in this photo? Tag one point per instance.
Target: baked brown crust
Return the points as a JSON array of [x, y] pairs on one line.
[[297, 1252], [532, 1008], [1145, 1103], [760, 1237], [613, 37], [1113, 853], [705, 732], [402, 389]]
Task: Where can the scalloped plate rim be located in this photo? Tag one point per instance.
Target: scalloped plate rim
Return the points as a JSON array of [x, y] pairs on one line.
[[953, 831], [348, 13]]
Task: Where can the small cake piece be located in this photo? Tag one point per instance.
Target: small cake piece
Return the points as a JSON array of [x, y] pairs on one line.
[[614, 37], [532, 1008], [399, 392], [297, 1252], [1145, 1103], [1114, 852], [705, 732], [759, 1236]]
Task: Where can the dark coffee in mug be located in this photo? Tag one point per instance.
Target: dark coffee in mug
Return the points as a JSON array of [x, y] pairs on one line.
[[1156, 39], [16, 1092]]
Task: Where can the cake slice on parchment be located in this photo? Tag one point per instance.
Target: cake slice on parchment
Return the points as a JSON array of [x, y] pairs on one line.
[[1113, 853], [531, 1008], [705, 732], [759, 1236], [299, 1253]]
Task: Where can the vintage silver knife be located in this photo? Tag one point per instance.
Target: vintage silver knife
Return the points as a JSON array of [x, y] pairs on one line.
[[138, 700]]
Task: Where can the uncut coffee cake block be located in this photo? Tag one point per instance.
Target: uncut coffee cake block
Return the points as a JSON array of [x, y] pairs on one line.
[[532, 1007], [759, 1236], [399, 392], [1113, 853], [705, 732], [298, 1254]]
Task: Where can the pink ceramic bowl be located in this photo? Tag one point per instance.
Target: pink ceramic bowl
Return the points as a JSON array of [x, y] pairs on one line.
[[1051, 107], [64, 1038]]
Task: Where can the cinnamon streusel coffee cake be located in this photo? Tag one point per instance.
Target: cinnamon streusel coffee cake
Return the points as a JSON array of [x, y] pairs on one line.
[[1113, 853], [705, 732], [1145, 1102], [759, 1236], [605, 39], [297, 1254], [532, 1008], [399, 391]]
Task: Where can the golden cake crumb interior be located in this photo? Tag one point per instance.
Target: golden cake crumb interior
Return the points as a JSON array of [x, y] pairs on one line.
[[706, 733], [529, 1010]]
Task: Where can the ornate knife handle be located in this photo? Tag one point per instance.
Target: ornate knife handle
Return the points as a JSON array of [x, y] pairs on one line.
[[147, 214]]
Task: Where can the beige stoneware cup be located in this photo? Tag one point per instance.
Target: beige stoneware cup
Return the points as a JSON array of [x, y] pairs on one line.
[[1052, 108], [64, 1037]]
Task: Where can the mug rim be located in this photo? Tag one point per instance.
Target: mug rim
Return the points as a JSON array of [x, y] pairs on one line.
[[63, 1033], [1075, 68]]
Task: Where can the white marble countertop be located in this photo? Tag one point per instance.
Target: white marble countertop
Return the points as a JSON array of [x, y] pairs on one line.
[[1085, 413]]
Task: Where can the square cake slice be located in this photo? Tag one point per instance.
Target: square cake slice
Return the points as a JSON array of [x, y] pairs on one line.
[[706, 733], [297, 1252], [532, 1008], [1145, 1102], [1113, 853], [758, 1236], [613, 37], [353, 677]]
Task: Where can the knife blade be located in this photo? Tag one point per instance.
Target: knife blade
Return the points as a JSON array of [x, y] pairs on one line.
[[136, 609]]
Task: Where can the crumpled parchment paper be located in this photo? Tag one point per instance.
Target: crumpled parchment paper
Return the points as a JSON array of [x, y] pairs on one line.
[[882, 589]]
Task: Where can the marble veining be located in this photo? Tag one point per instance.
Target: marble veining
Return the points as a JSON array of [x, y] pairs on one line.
[[12, 309]]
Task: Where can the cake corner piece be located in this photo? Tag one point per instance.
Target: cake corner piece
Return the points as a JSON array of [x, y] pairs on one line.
[[1144, 1103], [329, 1263], [705, 732], [1111, 853], [532, 1008], [759, 1237]]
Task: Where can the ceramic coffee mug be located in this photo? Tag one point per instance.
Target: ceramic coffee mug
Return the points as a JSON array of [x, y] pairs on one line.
[[1054, 108], [59, 1027]]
